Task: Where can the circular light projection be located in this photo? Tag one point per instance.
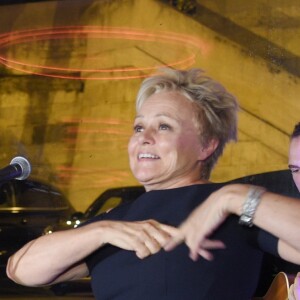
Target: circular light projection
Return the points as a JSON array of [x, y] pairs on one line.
[[97, 53]]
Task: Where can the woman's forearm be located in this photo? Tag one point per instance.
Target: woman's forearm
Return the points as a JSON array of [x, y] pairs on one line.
[[42, 261], [59, 256]]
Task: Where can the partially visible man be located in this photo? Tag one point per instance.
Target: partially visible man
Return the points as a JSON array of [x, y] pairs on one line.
[[294, 166], [294, 155]]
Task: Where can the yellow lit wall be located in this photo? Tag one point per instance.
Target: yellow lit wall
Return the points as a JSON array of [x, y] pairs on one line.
[[75, 131]]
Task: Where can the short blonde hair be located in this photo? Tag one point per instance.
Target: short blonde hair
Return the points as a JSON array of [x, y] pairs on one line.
[[216, 107]]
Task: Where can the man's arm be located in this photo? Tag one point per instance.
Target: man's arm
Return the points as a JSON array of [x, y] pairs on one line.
[[277, 214]]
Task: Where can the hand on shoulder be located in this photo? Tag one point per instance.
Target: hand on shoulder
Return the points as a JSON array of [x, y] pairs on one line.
[[294, 293]]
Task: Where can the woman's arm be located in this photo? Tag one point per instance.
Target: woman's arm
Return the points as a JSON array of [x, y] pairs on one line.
[[60, 256], [279, 215]]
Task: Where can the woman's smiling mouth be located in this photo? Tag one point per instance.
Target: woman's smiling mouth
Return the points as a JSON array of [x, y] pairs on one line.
[[147, 156]]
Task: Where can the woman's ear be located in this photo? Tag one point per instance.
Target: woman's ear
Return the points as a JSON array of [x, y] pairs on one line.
[[209, 149]]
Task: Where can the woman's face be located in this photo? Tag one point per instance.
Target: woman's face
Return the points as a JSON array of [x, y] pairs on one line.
[[165, 150]]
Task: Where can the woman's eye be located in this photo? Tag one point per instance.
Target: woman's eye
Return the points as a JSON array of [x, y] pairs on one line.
[[294, 170], [137, 128], [164, 127]]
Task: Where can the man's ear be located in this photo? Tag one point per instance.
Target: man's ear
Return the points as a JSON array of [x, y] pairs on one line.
[[209, 149]]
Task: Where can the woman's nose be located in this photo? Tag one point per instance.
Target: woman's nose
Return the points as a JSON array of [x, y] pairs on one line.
[[147, 136]]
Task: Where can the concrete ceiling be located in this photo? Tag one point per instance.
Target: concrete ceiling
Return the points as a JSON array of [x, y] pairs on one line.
[[270, 29]]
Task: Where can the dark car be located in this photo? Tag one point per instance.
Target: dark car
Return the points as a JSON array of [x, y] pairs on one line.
[[26, 208]]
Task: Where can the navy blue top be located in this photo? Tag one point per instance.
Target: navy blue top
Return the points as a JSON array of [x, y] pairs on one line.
[[233, 274]]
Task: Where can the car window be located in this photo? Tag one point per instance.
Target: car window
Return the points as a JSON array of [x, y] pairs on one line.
[[109, 204], [112, 198]]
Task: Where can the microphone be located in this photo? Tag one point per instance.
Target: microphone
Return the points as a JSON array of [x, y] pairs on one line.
[[19, 168]]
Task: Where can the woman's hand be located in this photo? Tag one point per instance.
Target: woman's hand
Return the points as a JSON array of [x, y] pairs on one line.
[[294, 293], [205, 219], [144, 237]]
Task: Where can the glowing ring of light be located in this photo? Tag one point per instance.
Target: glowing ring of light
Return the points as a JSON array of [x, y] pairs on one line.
[[57, 33]]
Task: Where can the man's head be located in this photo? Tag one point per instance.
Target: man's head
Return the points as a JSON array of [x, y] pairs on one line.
[[294, 155]]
